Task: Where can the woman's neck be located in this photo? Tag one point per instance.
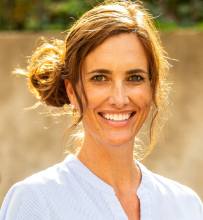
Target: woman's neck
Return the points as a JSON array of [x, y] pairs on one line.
[[114, 165]]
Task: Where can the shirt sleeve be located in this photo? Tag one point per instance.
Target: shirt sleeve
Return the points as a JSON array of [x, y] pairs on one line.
[[199, 206], [23, 203]]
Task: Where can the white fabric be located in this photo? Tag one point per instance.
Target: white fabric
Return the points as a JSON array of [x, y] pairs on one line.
[[70, 191]]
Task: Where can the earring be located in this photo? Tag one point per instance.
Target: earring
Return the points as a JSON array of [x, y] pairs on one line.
[[75, 115]]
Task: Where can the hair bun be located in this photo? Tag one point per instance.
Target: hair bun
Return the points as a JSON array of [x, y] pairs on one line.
[[44, 73]]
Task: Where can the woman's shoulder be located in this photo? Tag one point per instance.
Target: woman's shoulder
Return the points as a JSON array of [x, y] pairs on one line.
[[49, 176], [164, 184], [170, 194], [35, 193], [171, 187], [59, 174]]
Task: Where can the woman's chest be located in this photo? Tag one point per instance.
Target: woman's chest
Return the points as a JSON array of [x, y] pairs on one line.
[[131, 206]]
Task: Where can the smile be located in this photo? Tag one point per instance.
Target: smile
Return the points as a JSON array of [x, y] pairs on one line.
[[117, 116]]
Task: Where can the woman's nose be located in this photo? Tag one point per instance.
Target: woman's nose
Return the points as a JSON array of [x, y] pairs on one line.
[[118, 96]]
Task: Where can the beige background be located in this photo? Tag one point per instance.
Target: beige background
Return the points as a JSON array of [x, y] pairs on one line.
[[30, 141]]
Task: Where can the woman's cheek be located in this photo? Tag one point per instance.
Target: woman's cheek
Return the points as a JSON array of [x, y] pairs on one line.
[[142, 95], [96, 95]]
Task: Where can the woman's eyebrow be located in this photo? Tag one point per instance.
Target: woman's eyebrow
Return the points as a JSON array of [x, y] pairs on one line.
[[137, 70], [105, 71], [131, 71]]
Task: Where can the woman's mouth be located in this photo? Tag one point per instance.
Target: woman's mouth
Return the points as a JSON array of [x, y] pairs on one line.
[[117, 117]]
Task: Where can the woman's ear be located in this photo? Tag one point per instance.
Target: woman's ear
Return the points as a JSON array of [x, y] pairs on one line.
[[70, 93]]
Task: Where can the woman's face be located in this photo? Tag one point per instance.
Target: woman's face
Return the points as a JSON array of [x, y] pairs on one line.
[[118, 90]]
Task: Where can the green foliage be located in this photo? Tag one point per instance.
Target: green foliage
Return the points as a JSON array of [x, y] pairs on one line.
[[59, 14]]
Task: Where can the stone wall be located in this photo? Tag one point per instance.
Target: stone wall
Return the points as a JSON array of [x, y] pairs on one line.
[[31, 141]]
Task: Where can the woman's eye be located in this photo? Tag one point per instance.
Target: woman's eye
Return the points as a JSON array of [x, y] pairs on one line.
[[136, 78], [99, 78]]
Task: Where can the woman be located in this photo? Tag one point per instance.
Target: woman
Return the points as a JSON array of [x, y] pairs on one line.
[[111, 70]]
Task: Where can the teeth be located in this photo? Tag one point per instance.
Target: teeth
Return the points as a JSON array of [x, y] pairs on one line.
[[117, 117]]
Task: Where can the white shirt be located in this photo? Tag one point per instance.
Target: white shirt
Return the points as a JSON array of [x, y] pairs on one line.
[[70, 191]]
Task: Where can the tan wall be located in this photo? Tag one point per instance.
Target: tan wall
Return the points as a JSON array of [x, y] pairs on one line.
[[30, 141]]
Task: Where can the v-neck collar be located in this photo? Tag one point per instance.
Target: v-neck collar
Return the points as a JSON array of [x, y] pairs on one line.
[[143, 192]]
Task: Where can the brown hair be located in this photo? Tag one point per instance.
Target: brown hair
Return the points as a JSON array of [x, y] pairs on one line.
[[52, 62]]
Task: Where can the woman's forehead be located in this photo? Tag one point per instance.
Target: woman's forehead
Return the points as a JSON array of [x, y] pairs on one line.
[[117, 52]]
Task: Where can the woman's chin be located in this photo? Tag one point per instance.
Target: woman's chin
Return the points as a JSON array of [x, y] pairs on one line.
[[119, 141]]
